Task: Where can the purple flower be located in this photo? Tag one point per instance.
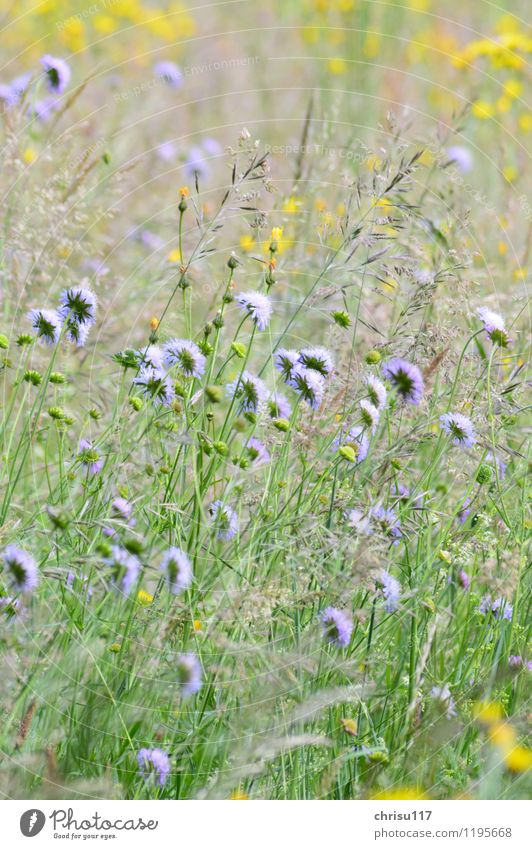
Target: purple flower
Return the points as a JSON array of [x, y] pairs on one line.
[[155, 384], [21, 568], [461, 156], [57, 73], [361, 523], [150, 357], [10, 607], [122, 509], [391, 590], [494, 327], [278, 406], [443, 695], [167, 151], [309, 384], [464, 511], [499, 608], [258, 452], [154, 763], [337, 626], [211, 146], [89, 457], [463, 579], [82, 581], [78, 304], [42, 109], [224, 519], [257, 306], [12, 92], [47, 324], [250, 391], [189, 674], [370, 415], [376, 391], [318, 359], [515, 661], [388, 522], [285, 361], [74, 332], [459, 428], [357, 439], [126, 568], [406, 378], [196, 167], [170, 73], [178, 570], [186, 355], [498, 463]]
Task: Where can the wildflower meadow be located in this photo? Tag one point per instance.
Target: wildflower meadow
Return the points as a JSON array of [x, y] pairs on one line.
[[265, 404]]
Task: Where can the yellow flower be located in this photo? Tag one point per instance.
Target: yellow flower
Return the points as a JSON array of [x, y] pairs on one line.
[[488, 712], [349, 726], [291, 205], [482, 109], [502, 248], [406, 792], [525, 122], [502, 734], [154, 324], [184, 192], [337, 66], [513, 88], [419, 5], [503, 104], [196, 624], [507, 23], [277, 234], [144, 598], [175, 256], [239, 795], [373, 162], [372, 45], [519, 273], [114, 647], [518, 759], [29, 155], [320, 205], [510, 173], [247, 243], [105, 24]]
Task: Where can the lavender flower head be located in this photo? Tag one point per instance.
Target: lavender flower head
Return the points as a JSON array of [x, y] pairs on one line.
[[494, 327], [459, 428], [391, 590], [57, 73], [122, 509], [257, 306], [461, 156], [155, 384], [285, 361], [21, 568], [189, 674], [224, 519], [170, 73], [250, 391], [515, 661], [78, 304], [89, 457], [370, 415], [47, 325], [196, 167], [443, 695], [377, 393], [463, 579], [279, 407], [185, 354], [309, 385], [150, 357], [74, 332], [406, 379], [126, 568], [178, 570], [318, 359], [337, 626], [387, 521], [499, 608], [357, 439], [154, 763], [359, 522], [464, 511], [257, 452]]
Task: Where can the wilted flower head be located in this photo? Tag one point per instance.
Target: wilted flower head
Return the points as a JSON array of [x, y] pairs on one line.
[[57, 73], [89, 457], [258, 306], [225, 520], [494, 326], [170, 73], [21, 569], [250, 391], [443, 695], [125, 567], [279, 407], [257, 452], [337, 626], [156, 385], [318, 359], [78, 304], [285, 360], [406, 379], [499, 608], [370, 415], [459, 428], [387, 521], [376, 391], [391, 590], [357, 439], [309, 384], [154, 763], [47, 325], [178, 570], [185, 354], [189, 674]]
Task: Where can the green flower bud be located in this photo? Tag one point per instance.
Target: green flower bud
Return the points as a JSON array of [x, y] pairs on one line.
[[239, 349], [348, 453], [205, 347], [373, 358], [134, 546], [94, 413], [232, 262], [4, 341], [56, 413], [484, 474], [221, 448], [281, 424], [56, 377], [136, 403], [33, 377], [341, 318], [24, 339], [214, 394]]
